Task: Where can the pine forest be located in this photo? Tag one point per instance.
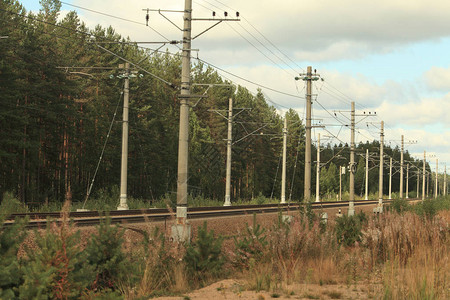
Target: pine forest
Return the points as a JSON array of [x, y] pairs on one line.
[[61, 109]]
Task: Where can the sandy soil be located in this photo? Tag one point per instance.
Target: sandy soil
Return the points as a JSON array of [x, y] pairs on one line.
[[235, 289]]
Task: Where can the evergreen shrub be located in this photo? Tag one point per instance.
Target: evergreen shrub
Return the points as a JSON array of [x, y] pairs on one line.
[[348, 228], [11, 275], [204, 258]]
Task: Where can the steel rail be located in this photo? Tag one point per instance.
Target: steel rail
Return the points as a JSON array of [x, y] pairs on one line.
[[92, 218], [87, 214]]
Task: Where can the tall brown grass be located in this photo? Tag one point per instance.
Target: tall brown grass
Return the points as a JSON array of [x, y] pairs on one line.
[[403, 256], [414, 253], [163, 270], [400, 256], [296, 252]]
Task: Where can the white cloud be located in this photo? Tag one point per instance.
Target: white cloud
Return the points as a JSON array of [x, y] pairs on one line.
[[314, 30], [438, 78], [426, 112]]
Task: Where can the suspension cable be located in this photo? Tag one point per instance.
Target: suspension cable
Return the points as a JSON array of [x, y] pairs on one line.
[[103, 151]]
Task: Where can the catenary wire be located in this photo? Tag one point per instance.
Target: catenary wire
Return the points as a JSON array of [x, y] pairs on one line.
[[260, 33]]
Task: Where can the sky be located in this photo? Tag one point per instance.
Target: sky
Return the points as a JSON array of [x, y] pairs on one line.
[[389, 57]]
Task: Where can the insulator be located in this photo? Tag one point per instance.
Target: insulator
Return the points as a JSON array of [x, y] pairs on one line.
[[226, 14], [237, 14], [147, 17], [214, 13]]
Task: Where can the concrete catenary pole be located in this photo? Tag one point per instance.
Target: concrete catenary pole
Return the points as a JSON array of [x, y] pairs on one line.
[[437, 181], [229, 142], [366, 195], [407, 180], [428, 184], [351, 208], [380, 180], [307, 189], [423, 172], [390, 178], [418, 183], [318, 170], [283, 171], [181, 231], [124, 164], [340, 182], [401, 169], [445, 180]]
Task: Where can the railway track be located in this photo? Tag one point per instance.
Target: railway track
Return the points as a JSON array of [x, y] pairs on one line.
[[91, 218]]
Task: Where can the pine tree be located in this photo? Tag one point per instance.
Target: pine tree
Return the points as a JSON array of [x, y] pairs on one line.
[[204, 258], [105, 255], [11, 275], [57, 269]]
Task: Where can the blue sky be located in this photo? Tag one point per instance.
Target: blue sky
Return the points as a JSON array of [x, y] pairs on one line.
[[406, 63], [389, 56]]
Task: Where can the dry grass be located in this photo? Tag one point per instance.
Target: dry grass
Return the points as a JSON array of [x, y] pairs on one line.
[[416, 264], [400, 257], [406, 254]]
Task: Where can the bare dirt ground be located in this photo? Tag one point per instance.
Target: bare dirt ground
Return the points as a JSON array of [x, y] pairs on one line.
[[235, 289]]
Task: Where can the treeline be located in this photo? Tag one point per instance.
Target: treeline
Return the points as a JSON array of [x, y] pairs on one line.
[[56, 112], [339, 155]]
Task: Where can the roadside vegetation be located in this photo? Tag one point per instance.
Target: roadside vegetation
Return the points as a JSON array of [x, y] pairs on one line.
[[401, 254], [108, 199]]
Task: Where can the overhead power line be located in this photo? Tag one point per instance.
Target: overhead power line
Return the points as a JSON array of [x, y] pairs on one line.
[[249, 81], [205, 62], [265, 38], [254, 37], [91, 35], [118, 18], [254, 46]]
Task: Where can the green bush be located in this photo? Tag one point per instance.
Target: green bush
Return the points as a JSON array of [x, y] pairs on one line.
[[204, 258], [428, 209], [399, 205], [10, 205], [250, 246], [57, 269], [348, 229], [11, 275], [104, 254]]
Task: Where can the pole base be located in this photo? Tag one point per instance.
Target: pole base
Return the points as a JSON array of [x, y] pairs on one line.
[[378, 210], [123, 207], [287, 218], [180, 233], [123, 203], [227, 201], [351, 209], [324, 218]]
